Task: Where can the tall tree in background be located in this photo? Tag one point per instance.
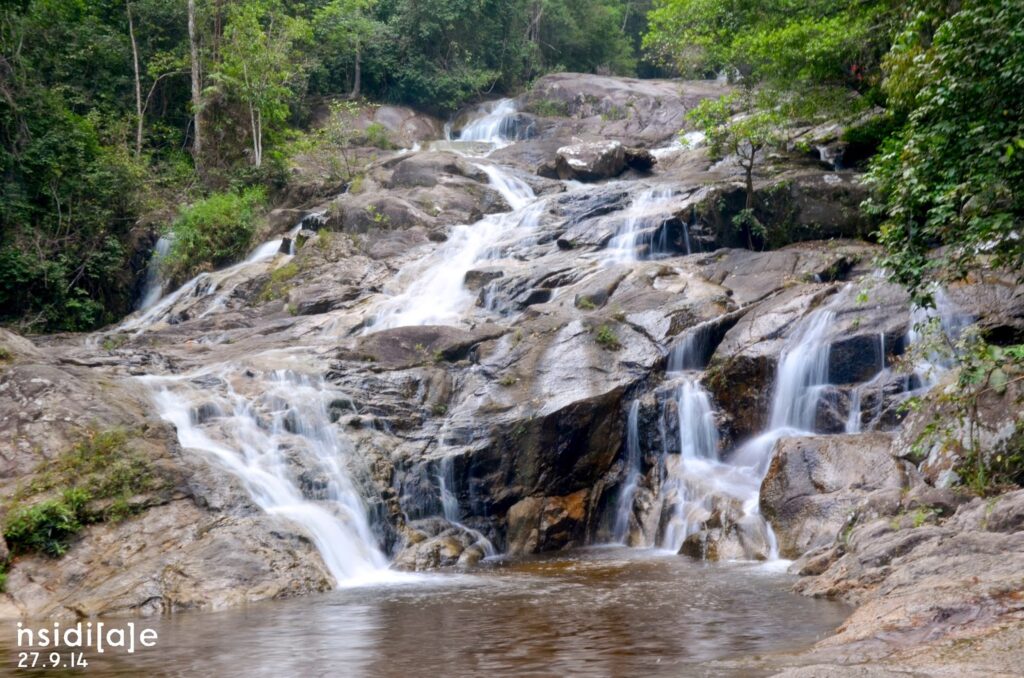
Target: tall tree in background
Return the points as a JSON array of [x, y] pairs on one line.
[[346, 27], [953, 174], [259, 66], [197, 87]]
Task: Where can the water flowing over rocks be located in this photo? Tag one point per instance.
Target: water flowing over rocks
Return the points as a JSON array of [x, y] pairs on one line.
[[458, 358]]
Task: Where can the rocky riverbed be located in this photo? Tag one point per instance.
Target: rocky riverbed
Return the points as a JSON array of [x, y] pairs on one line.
[[542, 332]]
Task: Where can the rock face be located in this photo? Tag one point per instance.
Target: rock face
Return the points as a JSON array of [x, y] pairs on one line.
[[932, 588], [637, 112], [814, 484]]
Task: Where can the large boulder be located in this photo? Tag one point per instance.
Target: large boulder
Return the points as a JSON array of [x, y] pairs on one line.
[[813, 485], [591, 161]]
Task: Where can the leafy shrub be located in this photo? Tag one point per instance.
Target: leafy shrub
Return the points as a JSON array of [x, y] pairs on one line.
[[607, 338], [549, 108], [213, 232], [46, 527], [377, 136]]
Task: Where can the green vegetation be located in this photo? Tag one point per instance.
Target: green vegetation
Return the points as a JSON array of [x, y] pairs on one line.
[[948, 176], [280, 282], [94, 481], [607, 339], [952, 175], [213, 231], [47, 526], [548, 108]]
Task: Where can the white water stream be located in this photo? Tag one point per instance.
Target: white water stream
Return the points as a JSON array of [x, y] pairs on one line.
[[273, 433], [433, 292]]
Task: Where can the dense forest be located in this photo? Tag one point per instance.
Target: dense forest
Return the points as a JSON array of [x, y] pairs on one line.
[[114, 114]]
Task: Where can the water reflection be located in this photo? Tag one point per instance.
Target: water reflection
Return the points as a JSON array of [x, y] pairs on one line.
[[600, 612]]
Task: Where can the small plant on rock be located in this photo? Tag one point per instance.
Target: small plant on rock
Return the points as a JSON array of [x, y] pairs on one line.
[[607, 338]]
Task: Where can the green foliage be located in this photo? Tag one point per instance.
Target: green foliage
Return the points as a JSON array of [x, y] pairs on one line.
[[548, 108], [45, 527], [279, 284], [213, 231], [607, 339], [953, 175], [828, 43], [260, 67], [377, 136]]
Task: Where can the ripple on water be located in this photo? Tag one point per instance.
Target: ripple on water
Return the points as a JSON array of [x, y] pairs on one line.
[[595, 612]]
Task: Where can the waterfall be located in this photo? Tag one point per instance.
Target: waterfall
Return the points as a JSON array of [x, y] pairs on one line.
[[153, 288], [635, 237], [202, 286], [692, 352], [437, 294], [950, 321], [624, 508], [802, 374], [445, 485], [496, 126], [693, 474], [278, 441]]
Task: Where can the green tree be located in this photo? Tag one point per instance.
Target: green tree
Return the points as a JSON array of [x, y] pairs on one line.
[[346, 28], [743, 125], [261, 66], [952, 177]]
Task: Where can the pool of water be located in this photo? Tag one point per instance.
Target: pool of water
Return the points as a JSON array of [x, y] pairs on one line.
[[594, 612]]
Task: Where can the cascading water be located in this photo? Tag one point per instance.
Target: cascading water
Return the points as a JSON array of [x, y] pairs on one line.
[[635, 238], [624, 508], [689, 479], [450, 505], [496, 127], [278, 440], [153, 288], [437, 294], [201, 286]]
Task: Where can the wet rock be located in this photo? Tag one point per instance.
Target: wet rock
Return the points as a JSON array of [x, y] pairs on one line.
[[590, 161], [407, 126], [547, 523], [435, 543], [933, 585], [792, 206], [425, 169], [640, 159], [406, 346], [478, 278], [814, 484]]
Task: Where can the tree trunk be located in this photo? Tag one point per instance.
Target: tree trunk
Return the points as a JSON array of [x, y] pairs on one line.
[[749, 206], [197, 88], [357, 76], [138, 82], [257, 132]]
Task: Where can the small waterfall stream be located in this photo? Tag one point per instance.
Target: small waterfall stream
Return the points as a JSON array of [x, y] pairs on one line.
[[437, 295], [276, 437], [153, 288], [495, 127], [635, 238]]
